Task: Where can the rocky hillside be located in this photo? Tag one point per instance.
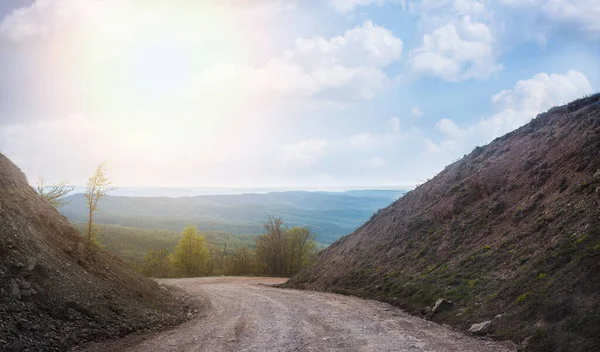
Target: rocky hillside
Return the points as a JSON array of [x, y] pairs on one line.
[[512, 229], [57, 291]]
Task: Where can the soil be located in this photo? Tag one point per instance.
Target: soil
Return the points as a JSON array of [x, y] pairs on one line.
[[56, 289], [245, 314], [513, 228]]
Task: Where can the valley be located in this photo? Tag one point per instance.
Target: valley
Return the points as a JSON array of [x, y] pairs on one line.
[[329, 215]]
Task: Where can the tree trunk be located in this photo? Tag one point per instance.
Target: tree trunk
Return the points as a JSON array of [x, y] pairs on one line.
[[89, 234]]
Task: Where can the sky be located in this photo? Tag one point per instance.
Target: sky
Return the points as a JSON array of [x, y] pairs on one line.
[[280, 93]]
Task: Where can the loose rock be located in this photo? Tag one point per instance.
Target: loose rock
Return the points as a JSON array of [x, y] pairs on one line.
[[14, 290], [481, 328], [441, 305]]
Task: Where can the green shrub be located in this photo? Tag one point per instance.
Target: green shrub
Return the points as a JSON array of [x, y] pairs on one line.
[[522, 297]]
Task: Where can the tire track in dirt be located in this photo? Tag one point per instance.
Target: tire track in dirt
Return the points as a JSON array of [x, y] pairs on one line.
[[246, 315]]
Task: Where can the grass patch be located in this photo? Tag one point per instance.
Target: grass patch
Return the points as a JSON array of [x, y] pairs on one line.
[[522, 297]]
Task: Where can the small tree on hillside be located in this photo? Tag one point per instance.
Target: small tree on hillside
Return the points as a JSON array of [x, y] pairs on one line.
[[302, 246], [55, 193], [190, 257], [241, 261], [97, 187], [271, 247], [157, 263]]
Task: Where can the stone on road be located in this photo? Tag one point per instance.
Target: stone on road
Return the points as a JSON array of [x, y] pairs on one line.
[[244, 314]]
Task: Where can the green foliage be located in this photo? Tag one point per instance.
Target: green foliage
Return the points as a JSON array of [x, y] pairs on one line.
[[54, 194], [97, 187], [486, 248], [522, 297], [282, 251], [541, 276], [190, 257], [157, 263]]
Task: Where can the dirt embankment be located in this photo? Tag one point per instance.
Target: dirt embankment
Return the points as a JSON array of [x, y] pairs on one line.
[[243, 314], [55, 290], [513, 229]]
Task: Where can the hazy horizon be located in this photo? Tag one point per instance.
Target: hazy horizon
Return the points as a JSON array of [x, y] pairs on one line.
[[176, 192]]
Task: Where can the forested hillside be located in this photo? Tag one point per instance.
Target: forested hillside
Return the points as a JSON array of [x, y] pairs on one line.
[[132, 244], [328, 214], [509, 235]]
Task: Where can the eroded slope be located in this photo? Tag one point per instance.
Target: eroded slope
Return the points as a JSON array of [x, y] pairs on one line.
[[55, 290], [513, 228]]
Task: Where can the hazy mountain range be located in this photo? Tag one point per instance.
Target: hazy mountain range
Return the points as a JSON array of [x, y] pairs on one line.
[[329, 214]]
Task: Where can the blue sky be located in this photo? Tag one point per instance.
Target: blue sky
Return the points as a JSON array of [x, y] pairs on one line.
[[280, 93]]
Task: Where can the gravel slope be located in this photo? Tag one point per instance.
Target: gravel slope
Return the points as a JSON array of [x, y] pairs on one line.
[[242, 314]]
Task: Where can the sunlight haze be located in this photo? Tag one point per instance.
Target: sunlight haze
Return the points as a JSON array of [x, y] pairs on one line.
[[278, 93]]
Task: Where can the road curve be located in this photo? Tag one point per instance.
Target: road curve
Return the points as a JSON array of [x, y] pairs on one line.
[[243, 314]]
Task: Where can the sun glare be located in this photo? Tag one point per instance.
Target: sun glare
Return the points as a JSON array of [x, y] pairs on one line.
[[158, 69]]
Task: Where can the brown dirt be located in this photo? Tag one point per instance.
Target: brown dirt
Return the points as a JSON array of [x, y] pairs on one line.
[[244, 314], [513, 228], [56, 291]]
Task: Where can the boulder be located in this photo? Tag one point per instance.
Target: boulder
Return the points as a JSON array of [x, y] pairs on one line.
[[31, 264], [481, 328], [14, 290], [441, 305]]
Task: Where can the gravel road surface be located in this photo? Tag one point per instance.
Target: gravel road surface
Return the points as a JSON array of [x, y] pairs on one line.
[[245, 314]]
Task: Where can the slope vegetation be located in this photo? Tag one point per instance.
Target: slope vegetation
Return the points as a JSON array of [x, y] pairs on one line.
[[57, 291], [513, 229]]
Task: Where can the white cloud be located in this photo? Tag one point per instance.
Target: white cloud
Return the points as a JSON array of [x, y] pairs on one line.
[[581, 15], [304, 153], [516, 107], [531, 96], [345, 6], [457, 52], [346, 67], [416, 112], [94, 57], [367, 45], [448, 127]]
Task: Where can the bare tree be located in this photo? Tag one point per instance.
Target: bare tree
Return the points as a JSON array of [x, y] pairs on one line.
[[55, 193], [281, 251], [97, 187]]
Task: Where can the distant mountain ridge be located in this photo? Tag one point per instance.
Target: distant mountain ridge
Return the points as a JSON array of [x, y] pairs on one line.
[[329, 214], [178, 192]]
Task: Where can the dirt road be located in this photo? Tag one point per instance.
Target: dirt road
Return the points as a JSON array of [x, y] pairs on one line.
[[242, 314]]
